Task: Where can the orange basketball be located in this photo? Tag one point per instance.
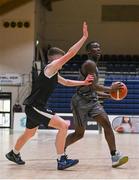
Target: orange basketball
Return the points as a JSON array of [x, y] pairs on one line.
[[120, 93]]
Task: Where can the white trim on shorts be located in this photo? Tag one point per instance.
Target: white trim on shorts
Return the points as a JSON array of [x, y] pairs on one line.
[[44, 113]]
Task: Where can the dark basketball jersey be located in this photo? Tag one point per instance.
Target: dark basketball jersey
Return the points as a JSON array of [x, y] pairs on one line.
[[41, 91], [87, 91]]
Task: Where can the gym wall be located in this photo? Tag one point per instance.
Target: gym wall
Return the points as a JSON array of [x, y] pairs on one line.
[[62, 26], [17, 45]]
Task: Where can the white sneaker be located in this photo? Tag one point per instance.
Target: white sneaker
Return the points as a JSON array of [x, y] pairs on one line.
[[118, 159]]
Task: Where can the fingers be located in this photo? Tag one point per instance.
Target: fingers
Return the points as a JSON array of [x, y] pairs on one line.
[[85, 30], [117, 86], [90, 77], [84, 24]]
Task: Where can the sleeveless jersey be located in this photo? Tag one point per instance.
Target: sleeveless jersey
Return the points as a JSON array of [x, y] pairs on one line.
[[41, 91]]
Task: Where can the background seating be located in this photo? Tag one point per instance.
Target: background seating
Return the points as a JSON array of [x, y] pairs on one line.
[[112, 68]]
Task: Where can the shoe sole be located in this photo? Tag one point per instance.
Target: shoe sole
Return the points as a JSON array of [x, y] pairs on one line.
[[121, 162], [68, 166], [12, 160]]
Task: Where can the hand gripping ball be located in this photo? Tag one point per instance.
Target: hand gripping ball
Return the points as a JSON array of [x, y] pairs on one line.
[[120, 93]]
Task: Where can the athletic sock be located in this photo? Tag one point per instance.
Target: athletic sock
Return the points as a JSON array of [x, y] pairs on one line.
[[113, 152], [15, 151], [65, 152], [59, 156]]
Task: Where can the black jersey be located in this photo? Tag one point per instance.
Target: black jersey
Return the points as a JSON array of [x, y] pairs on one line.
[[41, 91], [87, 91]]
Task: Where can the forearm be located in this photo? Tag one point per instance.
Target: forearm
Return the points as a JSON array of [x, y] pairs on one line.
[[70, 54], [76, 47], [103, 95], [102, 88], [68, 82], [74, 83], [57, 64]]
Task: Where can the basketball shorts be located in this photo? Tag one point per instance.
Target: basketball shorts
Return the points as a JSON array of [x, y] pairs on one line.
[[35, 117], [85, 110]]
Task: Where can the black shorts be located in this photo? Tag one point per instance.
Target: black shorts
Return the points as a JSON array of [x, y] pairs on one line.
[[36, 117]]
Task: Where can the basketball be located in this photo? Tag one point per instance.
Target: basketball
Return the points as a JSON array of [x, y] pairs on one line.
[[120, 93]]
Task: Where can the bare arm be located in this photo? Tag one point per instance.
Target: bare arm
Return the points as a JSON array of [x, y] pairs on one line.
[[69, 82], [113, 87], [101, 88], [89, 67], [55, 65], [103, 95]]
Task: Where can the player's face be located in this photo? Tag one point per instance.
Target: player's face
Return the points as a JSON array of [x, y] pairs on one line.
[[95, 50]]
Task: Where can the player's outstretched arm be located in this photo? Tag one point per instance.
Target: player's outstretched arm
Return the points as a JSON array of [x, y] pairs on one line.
[[57, 64], [68, 82]]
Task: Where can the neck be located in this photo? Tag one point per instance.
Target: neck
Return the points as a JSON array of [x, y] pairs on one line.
[[94, 58]]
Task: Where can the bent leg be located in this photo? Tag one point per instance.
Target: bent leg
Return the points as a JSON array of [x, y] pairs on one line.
[[14, 155], [103, 120], [75, 136], [60, 124], [63, 162], [24, 138]]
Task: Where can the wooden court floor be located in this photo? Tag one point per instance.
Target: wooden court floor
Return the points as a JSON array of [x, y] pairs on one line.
[[92, 151]]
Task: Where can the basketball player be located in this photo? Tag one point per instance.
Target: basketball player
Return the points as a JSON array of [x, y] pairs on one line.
[[36, 109], [85, 105]]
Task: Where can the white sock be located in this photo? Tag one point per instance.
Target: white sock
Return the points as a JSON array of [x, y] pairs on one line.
[[59, 156], [15, 151]]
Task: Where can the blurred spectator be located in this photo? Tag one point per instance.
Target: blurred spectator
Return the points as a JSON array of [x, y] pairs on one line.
[[126, 124], [17, 107]]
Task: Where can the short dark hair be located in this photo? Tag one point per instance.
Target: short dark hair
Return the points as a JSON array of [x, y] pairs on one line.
[[88, 47], [55, 51]]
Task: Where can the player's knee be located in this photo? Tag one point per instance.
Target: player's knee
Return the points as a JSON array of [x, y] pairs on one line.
[[64, 126]]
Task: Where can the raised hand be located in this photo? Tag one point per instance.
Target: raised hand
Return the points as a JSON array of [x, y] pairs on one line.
[[85, 30]]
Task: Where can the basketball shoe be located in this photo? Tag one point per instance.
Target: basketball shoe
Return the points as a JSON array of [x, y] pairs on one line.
[[64, 162], [15, 157], [118, 159]]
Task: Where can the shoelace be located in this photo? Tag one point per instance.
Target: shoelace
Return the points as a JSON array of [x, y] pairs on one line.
[[18, 157], [65, 157]]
